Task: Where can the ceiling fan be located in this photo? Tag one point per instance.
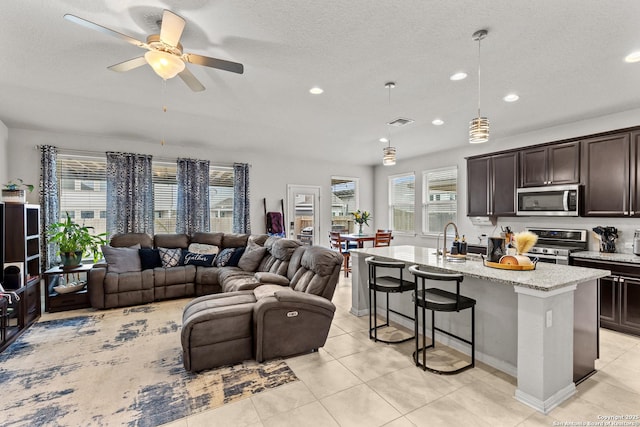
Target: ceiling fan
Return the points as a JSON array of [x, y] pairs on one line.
[[165, 53]]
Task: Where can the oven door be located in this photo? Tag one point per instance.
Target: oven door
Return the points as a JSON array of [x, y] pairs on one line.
[[551, 259]]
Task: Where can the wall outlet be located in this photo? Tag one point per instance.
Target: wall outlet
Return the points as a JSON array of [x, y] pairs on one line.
[[549, 318]]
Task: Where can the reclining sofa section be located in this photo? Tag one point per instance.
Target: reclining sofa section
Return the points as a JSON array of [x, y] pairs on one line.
[[275, 303]]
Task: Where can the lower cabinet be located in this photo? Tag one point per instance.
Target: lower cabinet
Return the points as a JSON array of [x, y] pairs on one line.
[[619, 295], [17, 315]]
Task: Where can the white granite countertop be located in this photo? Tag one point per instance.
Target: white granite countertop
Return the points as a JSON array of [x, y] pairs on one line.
[[604, 256], [545, 277]]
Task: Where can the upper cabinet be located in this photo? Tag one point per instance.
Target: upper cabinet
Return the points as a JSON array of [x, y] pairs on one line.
[[610, 172], [554, 164], [491, 184]]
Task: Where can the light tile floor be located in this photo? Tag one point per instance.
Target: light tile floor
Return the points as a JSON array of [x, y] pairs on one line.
[[352, 381]]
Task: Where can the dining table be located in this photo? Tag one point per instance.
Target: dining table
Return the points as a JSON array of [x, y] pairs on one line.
[[358, 238]]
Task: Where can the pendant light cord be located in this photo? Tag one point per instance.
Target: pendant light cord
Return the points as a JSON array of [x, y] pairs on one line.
[[479, 41]]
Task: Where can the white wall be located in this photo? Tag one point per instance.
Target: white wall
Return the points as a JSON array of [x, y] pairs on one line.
[[269, 175], [626, 226], [4, 161]]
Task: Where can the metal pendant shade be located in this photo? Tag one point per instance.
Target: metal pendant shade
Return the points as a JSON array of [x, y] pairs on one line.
[[479, 126], [389, 155]]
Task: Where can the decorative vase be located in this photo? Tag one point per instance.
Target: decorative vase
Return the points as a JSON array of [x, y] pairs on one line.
[[360, 229], [71, 259], [14, 196]]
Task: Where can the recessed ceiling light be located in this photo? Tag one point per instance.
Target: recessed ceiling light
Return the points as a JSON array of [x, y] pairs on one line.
[[512, 97], [458, 76], [316, 90], [633, 57], [383, 139], [437, 122]]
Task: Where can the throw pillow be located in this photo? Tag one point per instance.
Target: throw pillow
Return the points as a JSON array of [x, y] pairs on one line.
[[193, 258], [149, 258], [252, 256], [235, 258], [122, 260], [201, 248], [170, 257], [222, 259]]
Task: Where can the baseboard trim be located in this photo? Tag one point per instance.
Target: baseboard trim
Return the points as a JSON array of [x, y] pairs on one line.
[[546, 406]]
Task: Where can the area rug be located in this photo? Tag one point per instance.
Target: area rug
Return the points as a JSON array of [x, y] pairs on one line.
[[117, 367]]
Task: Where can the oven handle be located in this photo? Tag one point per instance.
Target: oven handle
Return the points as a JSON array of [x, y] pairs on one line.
[[558, 259]]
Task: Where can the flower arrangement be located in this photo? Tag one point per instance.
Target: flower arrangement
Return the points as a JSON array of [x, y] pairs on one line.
[[361, 217]]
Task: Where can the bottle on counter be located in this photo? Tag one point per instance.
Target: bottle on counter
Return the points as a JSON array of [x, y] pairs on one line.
[[462, 248], [455, 246]]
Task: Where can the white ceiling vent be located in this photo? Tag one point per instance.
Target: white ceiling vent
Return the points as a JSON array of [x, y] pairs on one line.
[[399, 122]]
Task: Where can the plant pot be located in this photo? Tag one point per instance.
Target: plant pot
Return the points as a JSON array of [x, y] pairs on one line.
[[71, 259], [14, 196]]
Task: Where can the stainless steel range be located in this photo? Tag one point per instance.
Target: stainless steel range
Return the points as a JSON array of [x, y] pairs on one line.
[[555, 244]]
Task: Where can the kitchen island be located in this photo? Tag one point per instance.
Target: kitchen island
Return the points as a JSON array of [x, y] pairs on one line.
[[540, 326]]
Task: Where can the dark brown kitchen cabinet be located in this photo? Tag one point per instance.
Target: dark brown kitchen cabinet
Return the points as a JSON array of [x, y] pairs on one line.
[[619, 295], [555, 164], [606, 171], [491, 185]]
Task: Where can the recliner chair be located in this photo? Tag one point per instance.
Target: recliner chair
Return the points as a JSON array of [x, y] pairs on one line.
[[267, 322]]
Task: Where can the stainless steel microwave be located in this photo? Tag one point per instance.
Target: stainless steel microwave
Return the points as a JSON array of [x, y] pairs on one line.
[[552, 200]]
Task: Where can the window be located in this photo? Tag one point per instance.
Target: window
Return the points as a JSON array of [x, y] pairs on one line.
[[82, 188], [165, 193], [221, 198], [402, 203], [344, 200], [439, 198]]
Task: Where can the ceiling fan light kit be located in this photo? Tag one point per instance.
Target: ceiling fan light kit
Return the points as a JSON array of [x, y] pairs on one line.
[[165, 64], [479, 126], [165, 53]]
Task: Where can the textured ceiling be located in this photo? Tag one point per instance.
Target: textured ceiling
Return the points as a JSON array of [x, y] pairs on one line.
[[564, 59]]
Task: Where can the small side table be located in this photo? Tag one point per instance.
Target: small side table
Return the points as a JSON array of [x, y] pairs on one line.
[[54, 301]]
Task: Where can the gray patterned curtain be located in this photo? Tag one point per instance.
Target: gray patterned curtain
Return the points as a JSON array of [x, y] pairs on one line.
[[192, 207], [49, 206], [241, 220], [129, 193]]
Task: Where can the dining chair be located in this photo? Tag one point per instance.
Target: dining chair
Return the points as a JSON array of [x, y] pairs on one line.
[[340, 245], [383, 238]]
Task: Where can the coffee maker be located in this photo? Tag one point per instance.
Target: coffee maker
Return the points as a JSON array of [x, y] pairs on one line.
[[608, 236], [636, 242]]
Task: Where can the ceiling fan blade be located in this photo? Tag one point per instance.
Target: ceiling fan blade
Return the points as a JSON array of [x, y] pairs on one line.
[[129, 65], [221, 64], [104, 30], [171, 28], [191, 80]]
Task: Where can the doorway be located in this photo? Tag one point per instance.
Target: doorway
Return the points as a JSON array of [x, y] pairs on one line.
[[344, 200], [303, 202]]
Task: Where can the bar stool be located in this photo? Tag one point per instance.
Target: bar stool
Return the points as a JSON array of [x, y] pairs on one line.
[[435, 299], [386, 284]]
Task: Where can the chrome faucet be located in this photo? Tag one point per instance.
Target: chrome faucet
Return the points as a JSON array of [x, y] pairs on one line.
[[444, 240]]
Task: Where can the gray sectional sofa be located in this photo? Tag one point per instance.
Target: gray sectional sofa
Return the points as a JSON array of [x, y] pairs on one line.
[[276, 302], [110, 289]]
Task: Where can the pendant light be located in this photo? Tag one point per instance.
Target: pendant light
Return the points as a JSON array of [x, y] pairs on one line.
[[479, 126], [389, 152]]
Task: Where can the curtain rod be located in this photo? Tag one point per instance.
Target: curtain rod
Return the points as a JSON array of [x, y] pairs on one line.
[[101, 153]]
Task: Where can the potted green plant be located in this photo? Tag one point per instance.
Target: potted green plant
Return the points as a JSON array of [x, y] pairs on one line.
[[16, 191], [75, 240]]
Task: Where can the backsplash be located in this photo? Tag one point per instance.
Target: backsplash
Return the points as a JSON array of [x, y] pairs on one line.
[[624, 244]]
